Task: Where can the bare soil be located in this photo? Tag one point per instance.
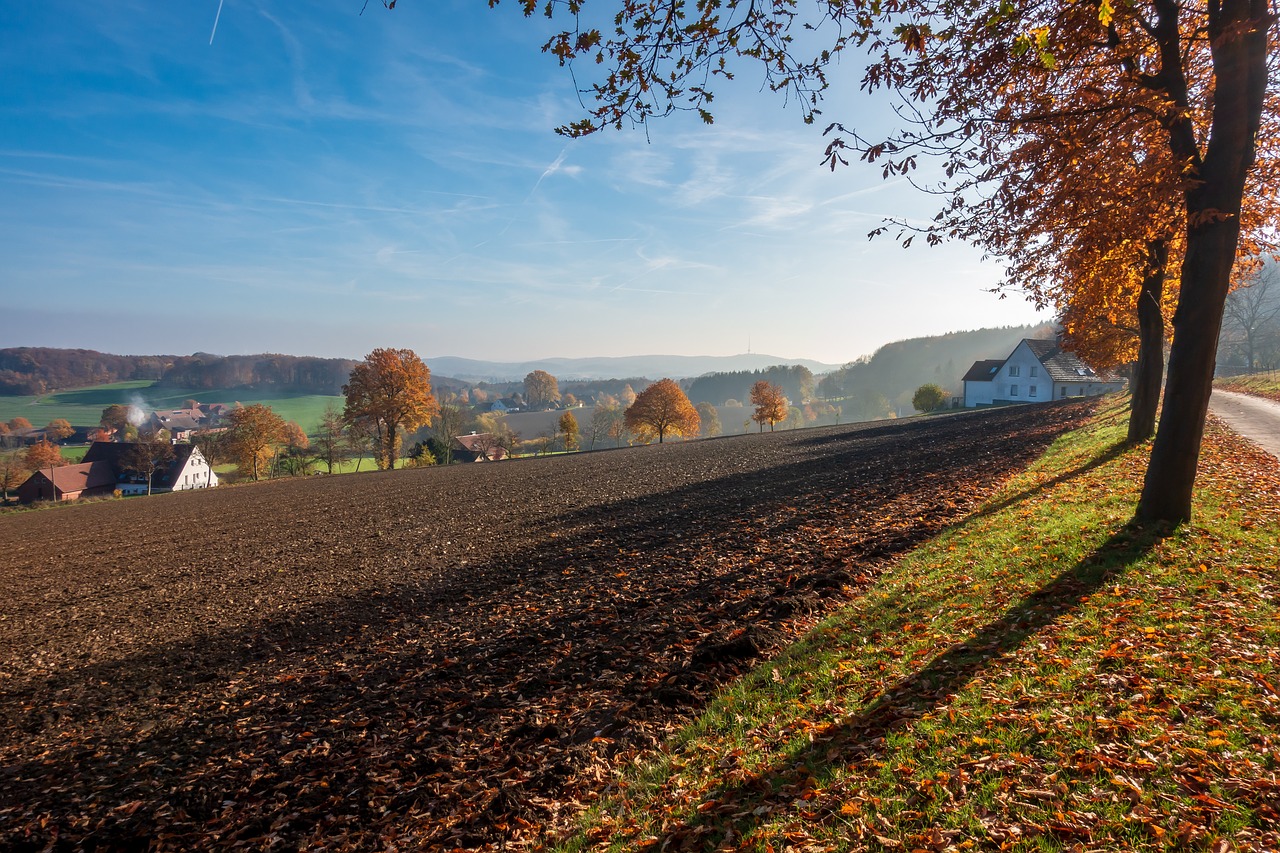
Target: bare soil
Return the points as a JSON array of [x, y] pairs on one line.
[[436, 658]]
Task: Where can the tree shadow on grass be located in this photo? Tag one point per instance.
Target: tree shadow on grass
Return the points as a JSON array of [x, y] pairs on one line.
[[735, 808], [1110, 454]]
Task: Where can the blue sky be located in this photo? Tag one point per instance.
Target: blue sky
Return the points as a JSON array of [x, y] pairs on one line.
[[320, 182]]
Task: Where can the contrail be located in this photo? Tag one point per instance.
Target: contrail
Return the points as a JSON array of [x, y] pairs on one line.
[[215, 22]]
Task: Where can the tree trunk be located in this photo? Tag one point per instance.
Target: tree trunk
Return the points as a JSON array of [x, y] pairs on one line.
[[1238, 31], [1150, 368]]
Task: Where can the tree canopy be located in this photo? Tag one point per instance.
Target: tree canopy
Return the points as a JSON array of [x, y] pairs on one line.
[[660, 410], [541, 389], [771, 405], [928, 398], [253, 437], [58, 429], [391, 391]]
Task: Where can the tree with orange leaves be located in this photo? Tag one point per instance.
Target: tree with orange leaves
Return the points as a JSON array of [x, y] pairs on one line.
[[391, 391], [43, 454], [771, 406], [255, 433], [662, 409], [58, 429]]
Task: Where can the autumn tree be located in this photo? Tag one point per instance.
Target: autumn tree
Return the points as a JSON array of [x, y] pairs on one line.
[[607, 421], [498, 435], [295, 437], [568, 426], [13, 471], [708, 419], [330, 443], [360, 435], [771, 406], [43, 454], [58, 429], [255, 433], [390, 390], [115, 417], [147, 455], [663, 409], [449, 424], [541, 390], [18, 423], [928, 398]]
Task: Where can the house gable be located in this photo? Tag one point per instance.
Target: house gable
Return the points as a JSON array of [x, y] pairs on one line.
[[1035, 372]]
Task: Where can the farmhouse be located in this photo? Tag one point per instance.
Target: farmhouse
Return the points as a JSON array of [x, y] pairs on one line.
[[68, 483], [188, 469], [478, 447], [106, 469], [1037, 371]]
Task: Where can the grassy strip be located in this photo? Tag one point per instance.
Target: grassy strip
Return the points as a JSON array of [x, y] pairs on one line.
[[1260, 384], [1042, 677]]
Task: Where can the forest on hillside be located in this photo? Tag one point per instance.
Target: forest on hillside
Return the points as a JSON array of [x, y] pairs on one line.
[[885, 380], [795, 380], [41, 370]]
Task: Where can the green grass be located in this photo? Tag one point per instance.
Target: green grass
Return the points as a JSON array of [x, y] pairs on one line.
[[1262, 384], [1044, 676], [83, 406]]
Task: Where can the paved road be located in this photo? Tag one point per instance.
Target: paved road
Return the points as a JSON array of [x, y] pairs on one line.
[[1255, 418]]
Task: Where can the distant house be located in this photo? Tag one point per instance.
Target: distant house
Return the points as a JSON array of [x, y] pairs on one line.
[[68, 483], [1037, 371], [180, 423], [478, 447], [188, 470]]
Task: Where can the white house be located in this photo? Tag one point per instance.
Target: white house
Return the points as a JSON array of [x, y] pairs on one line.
[[1037, 371], [188, 469]]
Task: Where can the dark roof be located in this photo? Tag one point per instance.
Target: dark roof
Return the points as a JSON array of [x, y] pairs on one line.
[[113, 453], [983, 371], [1063, 366], [481, 444], [179, 419]]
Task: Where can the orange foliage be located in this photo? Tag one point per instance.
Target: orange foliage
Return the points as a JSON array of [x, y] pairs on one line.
[[660, 410], [390, 390], [771, 406], [43, 454], [255, 433]]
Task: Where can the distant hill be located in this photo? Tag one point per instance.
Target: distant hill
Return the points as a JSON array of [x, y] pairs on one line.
[[650, 366], [885, 381]]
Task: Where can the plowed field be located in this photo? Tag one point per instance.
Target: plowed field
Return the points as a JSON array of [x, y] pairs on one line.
[[436, 658]]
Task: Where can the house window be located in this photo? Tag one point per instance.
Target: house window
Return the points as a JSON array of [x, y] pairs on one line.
[[1035, 371], [1031, 391], [1014, 369], [1013, 390], [1064, 391]]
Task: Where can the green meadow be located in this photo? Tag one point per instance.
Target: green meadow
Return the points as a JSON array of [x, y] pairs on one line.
[[83, 406]]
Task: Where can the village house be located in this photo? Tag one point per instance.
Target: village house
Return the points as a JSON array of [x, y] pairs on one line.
[[478, 447], [187, 470], [106, 470], [1037, 371]]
